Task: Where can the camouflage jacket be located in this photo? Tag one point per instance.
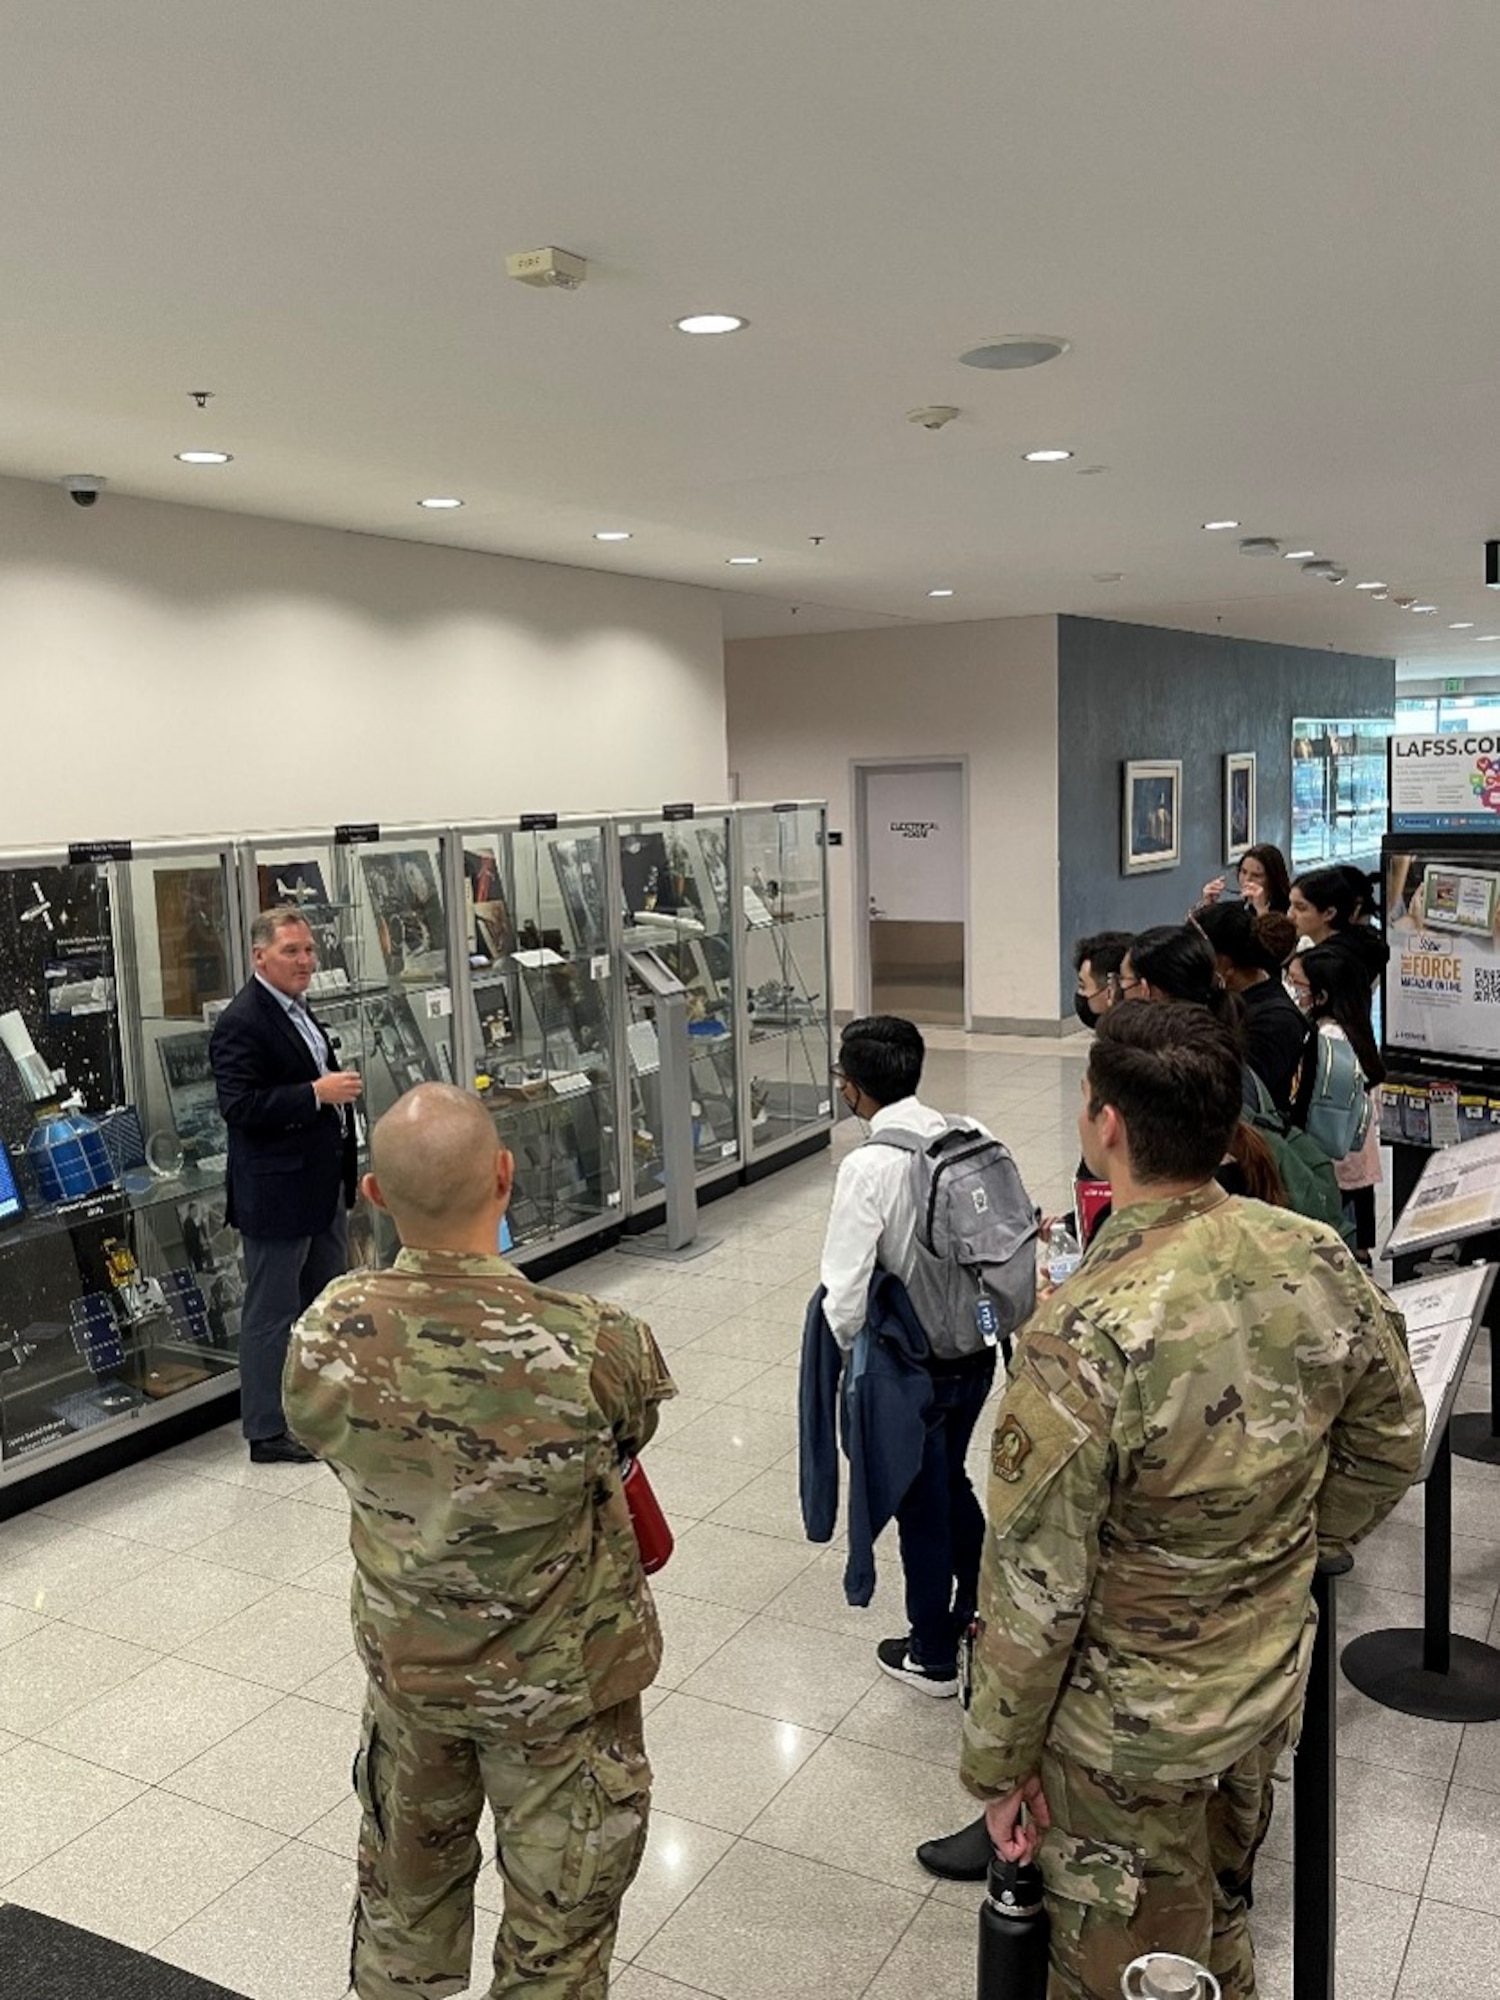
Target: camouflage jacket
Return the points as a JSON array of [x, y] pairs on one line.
[[476, 1421], [1215, 1393]]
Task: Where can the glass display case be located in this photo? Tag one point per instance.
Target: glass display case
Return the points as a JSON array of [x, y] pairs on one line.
[[120, 1284], [677, 902], [1340, 791], [786, 1054], [540, 1018], [377, 900]]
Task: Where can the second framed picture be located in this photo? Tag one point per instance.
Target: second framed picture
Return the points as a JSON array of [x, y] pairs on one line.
[[1152, 833], [1239, 803]]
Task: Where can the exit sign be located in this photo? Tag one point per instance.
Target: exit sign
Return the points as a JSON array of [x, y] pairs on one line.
[[1454, 686]]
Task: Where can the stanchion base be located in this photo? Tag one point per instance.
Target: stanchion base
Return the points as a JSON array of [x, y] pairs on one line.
[[1387, 1666], [654, 1244], [1474, 1436]]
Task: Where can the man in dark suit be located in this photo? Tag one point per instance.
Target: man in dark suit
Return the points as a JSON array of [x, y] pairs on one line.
[[292, 1163]]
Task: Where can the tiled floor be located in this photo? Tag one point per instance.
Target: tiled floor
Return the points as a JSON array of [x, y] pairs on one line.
[[178, 1696]]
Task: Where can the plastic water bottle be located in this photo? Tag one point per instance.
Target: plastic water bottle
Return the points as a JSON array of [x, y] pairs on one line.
[[1162, 1975], [1013, 1934], [1063, 1255]]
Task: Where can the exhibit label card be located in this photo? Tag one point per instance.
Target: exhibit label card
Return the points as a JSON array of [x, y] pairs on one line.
[[1457, 1195], [1442, 1317]]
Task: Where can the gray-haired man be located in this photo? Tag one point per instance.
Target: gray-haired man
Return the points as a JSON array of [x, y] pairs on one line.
[[292, 1162]]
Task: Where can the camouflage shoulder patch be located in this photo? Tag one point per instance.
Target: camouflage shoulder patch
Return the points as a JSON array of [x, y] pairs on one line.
[[1009, 1449]]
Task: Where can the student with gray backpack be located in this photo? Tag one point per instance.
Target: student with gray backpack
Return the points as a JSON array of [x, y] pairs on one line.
[[939, 1204], [1336, 1096]]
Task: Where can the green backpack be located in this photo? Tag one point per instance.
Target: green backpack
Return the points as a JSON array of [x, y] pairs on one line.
[[1305, 1169]]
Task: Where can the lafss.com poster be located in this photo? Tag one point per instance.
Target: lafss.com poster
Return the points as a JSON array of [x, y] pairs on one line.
[[1443, 982]]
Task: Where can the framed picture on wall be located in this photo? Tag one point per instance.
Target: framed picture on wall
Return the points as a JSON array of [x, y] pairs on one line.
[[1239, 803], [1151, 836]]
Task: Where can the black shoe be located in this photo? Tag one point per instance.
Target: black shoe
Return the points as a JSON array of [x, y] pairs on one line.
[[894, 1656], [964, 1856], [282, 1450]]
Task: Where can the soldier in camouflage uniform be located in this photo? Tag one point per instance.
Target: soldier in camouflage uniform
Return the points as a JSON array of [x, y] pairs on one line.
[[478, 1423], [1217, 1395]]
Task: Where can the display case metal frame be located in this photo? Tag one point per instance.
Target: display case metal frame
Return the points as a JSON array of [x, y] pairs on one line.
[[809, 1133], [130, 1017], [644, 1207], [576, 826]]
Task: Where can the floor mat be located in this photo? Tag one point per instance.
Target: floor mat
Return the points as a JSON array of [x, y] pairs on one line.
[[46, 1960]]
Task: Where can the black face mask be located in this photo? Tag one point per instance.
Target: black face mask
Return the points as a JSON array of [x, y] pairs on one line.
[[1084, 1011]]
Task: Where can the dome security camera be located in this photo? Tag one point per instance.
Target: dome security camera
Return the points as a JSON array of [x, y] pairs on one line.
[[83, 488]]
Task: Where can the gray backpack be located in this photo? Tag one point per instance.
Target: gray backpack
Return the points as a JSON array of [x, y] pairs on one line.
[[974, 1280]]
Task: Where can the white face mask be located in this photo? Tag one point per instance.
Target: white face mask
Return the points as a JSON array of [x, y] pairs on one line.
[[1300, 996]]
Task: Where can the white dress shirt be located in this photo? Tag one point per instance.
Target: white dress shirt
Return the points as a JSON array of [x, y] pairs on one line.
[[874, 1216]]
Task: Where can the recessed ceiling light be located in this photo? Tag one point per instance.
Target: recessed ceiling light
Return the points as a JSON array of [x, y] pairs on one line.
[[1086, 471], [441, 500], [741, 562], [611, 534], [1049, 455], [710, 323], [1260, 545], [1462, 625], [940, 593], [1377, 594], [1016, 350], [205, 457], [1299, 555], [1424, 607], [1109, 576], [1376, 585], [1486, 638], [1213, 527]]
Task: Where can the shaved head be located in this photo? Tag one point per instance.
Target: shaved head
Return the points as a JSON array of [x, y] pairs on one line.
[[434, 1157]]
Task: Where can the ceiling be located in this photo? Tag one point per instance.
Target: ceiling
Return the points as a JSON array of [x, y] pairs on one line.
[[1268, 233]]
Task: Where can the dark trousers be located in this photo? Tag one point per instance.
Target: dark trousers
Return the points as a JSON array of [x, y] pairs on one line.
[[283, 1275], [940, 1522]]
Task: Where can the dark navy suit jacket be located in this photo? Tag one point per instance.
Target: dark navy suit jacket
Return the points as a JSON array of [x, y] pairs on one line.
[[874, 1402], [290, 1159]]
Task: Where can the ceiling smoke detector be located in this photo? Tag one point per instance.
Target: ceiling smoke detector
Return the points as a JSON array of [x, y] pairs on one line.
[[933, 416], [1260, 545]]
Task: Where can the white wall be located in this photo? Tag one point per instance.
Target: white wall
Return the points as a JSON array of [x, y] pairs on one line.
[[170, 670], [802, 712]]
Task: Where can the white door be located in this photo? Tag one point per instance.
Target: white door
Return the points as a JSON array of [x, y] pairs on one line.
[[913, 846]]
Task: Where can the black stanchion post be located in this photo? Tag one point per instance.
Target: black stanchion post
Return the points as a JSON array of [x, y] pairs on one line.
[[1475, 1434], [1435, 1673], [1315, 1803]]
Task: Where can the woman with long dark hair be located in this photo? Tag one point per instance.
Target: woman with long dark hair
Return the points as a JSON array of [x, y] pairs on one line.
[[1337, 905], [1249, 965], [1262, 878], [1176, 962], [1337, 1000]]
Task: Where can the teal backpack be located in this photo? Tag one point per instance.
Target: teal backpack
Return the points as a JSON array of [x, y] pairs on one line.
[[1333, 1104], [1305, 1169]]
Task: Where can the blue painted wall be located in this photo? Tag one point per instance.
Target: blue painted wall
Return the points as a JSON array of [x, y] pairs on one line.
[[1139, 691]]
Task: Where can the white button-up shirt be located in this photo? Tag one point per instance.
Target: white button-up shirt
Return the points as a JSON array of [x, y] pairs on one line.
[[874, 1216]]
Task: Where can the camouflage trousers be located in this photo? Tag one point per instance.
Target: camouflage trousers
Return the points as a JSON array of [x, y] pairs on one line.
[[1132, 1867], [570, 1814]]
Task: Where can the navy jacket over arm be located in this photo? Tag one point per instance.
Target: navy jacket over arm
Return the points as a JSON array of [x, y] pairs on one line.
[[875, 1402], [289, 1157]]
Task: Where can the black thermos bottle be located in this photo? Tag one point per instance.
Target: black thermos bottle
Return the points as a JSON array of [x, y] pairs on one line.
[[1013, 1931]]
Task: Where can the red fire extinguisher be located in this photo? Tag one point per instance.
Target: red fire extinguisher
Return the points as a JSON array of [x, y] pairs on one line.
[[652, 1534]]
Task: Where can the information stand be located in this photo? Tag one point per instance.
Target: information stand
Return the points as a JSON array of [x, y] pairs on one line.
[[678, 1241], [1456, 1199], [1434, 1672]]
